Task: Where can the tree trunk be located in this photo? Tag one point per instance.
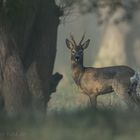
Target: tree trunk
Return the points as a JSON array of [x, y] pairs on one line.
[[35, 87], [14, 88], [33, 27], [41, 47]]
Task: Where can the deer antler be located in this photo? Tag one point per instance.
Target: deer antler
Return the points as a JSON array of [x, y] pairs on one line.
[[82, 39], [72, 38]]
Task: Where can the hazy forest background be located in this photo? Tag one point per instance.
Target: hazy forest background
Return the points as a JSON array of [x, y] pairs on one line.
[[113, 27], [35, 71]]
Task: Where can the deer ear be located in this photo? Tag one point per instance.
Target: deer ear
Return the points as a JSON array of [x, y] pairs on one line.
[[86, 44], [69, 44]]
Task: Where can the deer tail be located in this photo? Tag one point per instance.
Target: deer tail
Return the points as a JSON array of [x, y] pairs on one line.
[[134, 89]]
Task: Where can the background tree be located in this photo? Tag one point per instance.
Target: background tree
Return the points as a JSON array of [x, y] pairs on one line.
[[28, 33]]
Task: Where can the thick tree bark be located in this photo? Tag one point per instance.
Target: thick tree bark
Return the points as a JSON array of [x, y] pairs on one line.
[[35, 87], [14, 88], [41, 47], [34, 33]]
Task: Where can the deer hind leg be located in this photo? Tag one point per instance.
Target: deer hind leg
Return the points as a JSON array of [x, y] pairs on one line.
[[122, 90]]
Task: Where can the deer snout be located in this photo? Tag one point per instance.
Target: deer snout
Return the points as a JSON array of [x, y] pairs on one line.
[[77, 57]]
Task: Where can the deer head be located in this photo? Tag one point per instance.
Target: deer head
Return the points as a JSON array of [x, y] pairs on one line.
[[77, 50]]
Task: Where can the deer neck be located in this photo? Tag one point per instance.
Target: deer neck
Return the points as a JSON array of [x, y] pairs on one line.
[[77, 70]]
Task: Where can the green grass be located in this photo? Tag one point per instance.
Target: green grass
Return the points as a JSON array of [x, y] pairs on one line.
[[85, 124]]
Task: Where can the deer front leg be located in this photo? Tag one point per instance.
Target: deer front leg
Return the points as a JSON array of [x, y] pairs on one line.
[[93, 100]]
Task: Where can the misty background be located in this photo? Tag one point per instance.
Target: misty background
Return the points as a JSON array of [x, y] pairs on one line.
[[115, 40]]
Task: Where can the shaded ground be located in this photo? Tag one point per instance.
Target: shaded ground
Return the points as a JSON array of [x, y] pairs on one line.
[[83, 125]]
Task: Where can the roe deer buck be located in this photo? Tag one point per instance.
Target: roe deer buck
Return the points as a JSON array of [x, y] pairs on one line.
[[96, 81]]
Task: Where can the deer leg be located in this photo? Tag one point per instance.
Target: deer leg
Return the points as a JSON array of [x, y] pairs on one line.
[[122, 92], [93, 100]]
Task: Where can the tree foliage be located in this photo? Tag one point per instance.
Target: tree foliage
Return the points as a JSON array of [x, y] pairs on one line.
[[88, 6]]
